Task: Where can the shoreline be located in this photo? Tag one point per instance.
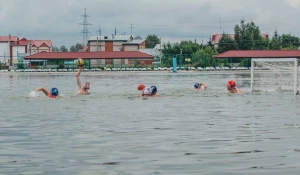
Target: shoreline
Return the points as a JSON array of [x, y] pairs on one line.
[[133, 72]]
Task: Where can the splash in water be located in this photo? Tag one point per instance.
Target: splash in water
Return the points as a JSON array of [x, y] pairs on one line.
[[34, 94]]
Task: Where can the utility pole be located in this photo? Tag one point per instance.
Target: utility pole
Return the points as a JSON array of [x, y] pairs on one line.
[[99, 31], [99, 39], [276, 34], [131, 30], [220, 24], [85, 30]]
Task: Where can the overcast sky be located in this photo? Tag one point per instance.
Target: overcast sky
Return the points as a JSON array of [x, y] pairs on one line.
[[174, 20]]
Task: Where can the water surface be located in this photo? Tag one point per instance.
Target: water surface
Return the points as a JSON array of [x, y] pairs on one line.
[[112, 131]]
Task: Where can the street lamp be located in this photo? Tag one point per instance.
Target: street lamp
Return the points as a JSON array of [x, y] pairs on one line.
[[181, 57]]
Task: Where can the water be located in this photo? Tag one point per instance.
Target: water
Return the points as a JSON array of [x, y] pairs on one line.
[[112, 131]]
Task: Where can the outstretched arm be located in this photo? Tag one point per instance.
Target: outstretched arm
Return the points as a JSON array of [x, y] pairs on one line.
[[204, 85], [78, 77], [46, 92]]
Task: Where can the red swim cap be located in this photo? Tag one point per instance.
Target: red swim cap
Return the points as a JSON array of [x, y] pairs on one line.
[[231, 83], [141, 87]]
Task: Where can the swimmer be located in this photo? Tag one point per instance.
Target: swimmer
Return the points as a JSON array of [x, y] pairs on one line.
[[231, 87], [82, 89], [149, 92], [198, 86], [52, 94]]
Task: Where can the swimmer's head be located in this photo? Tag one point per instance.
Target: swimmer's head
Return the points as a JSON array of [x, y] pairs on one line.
[[154, 89], [231, 84], [196, 86], [87, 86], [54, 91]]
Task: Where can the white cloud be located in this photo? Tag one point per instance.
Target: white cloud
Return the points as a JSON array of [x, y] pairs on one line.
[[293, 3]]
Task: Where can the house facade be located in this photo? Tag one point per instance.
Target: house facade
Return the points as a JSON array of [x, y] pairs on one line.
[[38, 46], [116, 43], [5, 50]]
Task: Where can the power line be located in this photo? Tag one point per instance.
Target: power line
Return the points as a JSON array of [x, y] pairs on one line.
[[85, 32]]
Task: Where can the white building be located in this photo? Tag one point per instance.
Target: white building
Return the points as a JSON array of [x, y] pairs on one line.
[[5, 51]]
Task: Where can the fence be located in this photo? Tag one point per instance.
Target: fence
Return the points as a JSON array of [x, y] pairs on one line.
[[166, 60], [204, 60]]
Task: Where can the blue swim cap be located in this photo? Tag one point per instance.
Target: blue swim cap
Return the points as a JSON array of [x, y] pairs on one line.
[[196, 86], [54, 91], [154, 89]]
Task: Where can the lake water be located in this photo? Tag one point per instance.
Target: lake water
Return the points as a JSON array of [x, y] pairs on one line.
[[112, 131]]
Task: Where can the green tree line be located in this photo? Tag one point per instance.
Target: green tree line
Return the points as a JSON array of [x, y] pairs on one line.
[[73, 48], [247, 36]]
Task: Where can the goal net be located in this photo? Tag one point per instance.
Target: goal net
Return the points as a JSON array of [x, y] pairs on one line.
[[275, 74]]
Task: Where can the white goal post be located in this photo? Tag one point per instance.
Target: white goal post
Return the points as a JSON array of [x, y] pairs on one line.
[[275, 74]]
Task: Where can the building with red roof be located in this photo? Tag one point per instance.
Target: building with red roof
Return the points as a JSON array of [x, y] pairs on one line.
[[12, 48], [41, 46], [5, 50], [129, 58]]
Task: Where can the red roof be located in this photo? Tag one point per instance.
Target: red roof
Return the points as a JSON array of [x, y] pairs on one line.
[[216, 37], [39, 43], [85, 49], [22, 42], [259, 54], [6, 38], [89, 55]]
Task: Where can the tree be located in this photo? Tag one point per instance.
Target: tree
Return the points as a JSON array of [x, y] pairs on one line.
[[63, 49], [289, 42], [204, 57], [274, 43], [226, 43], [284, 42], [184, 47], [78, 46], [55, 49], [209, 43], [247, 36], [151, 41], [72, 48]]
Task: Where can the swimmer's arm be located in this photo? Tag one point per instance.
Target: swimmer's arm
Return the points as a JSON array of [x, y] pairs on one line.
[[204, 85], [143, 92], [240, 91], [78, 78], [46, 92]]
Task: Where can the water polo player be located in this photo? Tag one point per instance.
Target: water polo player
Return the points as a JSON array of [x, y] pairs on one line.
[[82, 89], [150, 92], [231, 87], [52, 94], [198, 86]]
